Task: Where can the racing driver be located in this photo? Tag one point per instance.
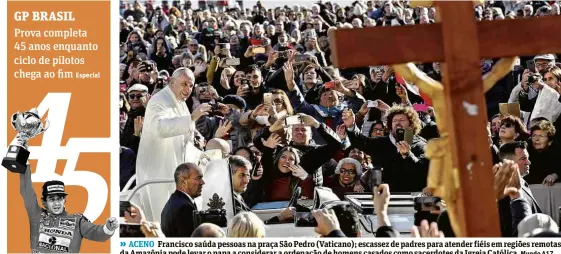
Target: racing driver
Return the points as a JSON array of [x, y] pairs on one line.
[[53, 230]]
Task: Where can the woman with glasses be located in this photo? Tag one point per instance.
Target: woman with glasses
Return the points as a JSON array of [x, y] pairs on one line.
[[512, 129], [544, 155], [346, 175]]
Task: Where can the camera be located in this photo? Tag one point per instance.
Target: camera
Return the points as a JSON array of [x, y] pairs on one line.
[[305, 219], [160, 83], [124, 206], [214, 106], [533, 78], [423, 208], [214, 216], [283, 54], [245, 82]]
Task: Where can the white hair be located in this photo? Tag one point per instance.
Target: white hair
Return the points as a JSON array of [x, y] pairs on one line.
[[246, 224], [344, 161], [183, 71]]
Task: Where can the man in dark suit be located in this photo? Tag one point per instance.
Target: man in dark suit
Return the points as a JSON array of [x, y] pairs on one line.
[[516, 151], [240, 169], [177, 215]]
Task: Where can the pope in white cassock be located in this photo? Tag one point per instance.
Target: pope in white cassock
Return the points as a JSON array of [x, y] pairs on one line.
[[167, 140]]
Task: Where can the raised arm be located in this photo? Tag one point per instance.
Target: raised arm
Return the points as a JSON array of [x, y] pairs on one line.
[[166, 127], [28, 194]]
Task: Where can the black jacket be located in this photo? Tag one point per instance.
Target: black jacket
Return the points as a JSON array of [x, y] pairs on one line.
[[511, 213], [239, 204], [402, 174], [128, 138], [177, 216], [544, 163], [127, 163]]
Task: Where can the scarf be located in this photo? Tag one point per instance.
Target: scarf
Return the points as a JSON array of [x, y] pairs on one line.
[[329, 112]]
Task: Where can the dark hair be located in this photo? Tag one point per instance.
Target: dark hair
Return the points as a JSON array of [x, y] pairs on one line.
[[181, 169], [348, 220], [238, 161], [373, 126], [252, 157], [518, 126], [509, 149]]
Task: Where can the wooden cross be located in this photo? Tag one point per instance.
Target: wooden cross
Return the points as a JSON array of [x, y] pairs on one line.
[[460, 166]]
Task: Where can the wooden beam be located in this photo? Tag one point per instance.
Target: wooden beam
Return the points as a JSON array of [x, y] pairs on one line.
[[467, 121], [369, 46], [423, 43]]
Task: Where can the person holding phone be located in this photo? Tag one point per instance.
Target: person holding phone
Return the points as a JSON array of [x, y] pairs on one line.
[[161, 54], [405, 165], [314, 155], [329, 109], [138, 98]]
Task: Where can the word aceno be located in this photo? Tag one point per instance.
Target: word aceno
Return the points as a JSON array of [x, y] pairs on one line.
[[44, 16]]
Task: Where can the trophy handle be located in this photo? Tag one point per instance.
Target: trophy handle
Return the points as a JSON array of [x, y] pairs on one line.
[[46, 126], [16, 117]]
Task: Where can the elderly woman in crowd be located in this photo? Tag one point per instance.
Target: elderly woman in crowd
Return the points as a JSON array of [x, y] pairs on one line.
[[347, 174], [544, 155]]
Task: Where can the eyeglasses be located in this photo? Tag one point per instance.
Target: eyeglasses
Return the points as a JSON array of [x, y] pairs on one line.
[[193, 45], [379, 130], [135, 96], [347, 172], [278, 101], [535, 136], [542, 64]]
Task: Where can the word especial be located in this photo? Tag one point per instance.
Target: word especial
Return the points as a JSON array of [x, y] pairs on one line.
[[44, 16]]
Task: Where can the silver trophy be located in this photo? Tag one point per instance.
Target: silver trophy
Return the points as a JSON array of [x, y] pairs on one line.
[[28, 125]]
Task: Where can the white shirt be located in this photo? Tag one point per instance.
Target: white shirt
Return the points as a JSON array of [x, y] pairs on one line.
[[190, 198]]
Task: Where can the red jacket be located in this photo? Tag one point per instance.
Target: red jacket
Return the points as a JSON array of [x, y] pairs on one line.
[[279, 189]]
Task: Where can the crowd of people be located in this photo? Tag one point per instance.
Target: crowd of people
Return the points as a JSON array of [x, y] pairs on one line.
[[259, 86]]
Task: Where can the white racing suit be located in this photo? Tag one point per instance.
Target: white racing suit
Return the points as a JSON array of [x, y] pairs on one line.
[[56, 233]]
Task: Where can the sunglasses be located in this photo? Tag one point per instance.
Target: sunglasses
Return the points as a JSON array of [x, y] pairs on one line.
[[135, 96], [506, 125]]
